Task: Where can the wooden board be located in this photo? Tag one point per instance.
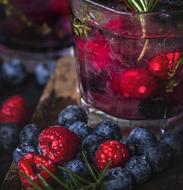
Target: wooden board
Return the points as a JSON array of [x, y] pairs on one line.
[[60, 92]]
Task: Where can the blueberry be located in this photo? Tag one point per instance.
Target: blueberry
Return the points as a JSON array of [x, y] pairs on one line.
[[8, 136], [140, 168], [141, 136], [120, 183], [76, 166], [29, 135], [107, 130], [120, 172], [43, 72], [13, 72], [175, 142], [71, 114], [79, 128], [155, 108], [90, 144], [20, 151], [159, 156], [17, 154]]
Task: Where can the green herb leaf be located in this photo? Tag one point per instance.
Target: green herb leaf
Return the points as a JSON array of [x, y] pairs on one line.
[[34, 185]]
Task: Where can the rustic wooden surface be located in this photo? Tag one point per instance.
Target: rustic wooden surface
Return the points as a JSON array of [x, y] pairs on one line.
[[61, 91]]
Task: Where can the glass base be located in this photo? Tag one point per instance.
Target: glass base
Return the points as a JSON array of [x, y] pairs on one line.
[[156, 126]]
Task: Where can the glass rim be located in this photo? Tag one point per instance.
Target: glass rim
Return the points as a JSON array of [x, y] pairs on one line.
[[129, 13]]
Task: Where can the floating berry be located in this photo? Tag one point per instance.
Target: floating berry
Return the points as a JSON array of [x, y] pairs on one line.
[[137, 83], [58, 144], [162, 64], [30, 165], [111, 152], [115, 25], [98, 53], [15, 110]]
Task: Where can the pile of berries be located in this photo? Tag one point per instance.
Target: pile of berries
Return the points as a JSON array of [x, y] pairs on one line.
[[14, 113], [14, 72], [130, 162]]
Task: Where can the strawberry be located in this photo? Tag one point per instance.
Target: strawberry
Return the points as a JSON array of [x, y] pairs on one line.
[[29, 165], [111, 151], [137, 83], [14, 110], [162, 64], [58, 144]]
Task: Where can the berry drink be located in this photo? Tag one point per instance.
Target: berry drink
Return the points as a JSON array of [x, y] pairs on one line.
[[130, 63], [35, 25]]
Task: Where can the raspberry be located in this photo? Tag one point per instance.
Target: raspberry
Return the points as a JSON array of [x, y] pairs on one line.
[[29, 165], [115, 25], [15, 110], [58, 144], [137, 83], [98, 53], [110, 151], [161, 64]]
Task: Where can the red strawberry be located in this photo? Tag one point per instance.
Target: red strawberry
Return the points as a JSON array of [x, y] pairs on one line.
[[111, 151], [161, 64], [137, 83], [15, 110], [29, 165], [98, 53], [58, 144]]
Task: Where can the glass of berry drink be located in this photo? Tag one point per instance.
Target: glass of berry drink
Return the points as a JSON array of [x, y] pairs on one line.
[[130, 64], [34, 28]]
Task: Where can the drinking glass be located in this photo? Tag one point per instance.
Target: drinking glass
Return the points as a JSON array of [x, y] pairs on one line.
[[34, 29], [130, 65]]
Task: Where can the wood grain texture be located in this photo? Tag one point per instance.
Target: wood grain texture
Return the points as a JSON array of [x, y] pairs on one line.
[[60, 92]]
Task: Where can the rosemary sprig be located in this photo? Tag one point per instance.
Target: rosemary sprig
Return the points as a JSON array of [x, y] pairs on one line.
[[75, 182], [142, 6]]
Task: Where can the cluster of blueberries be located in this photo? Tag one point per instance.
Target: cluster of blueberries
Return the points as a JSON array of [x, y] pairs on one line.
[[149, 155], [14, 72]]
